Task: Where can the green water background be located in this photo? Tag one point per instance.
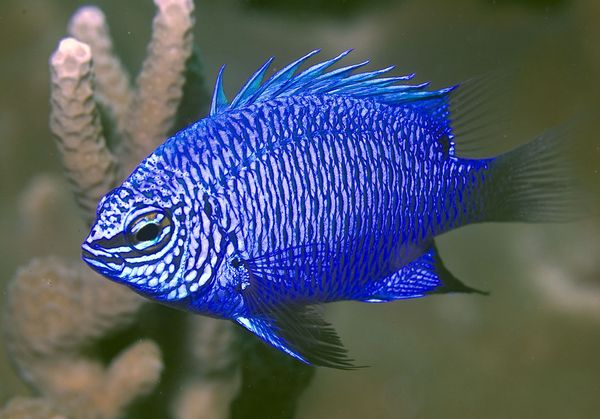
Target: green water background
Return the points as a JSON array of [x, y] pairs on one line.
[[523, 352]]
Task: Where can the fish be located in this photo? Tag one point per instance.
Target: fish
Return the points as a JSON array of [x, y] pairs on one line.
[[314, 186]]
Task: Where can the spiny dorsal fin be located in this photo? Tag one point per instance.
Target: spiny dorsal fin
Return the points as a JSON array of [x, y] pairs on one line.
[[219, 100], [316, 81]]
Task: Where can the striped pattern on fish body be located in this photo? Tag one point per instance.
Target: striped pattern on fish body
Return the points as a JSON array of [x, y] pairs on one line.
[[355, 184], [308, 188]]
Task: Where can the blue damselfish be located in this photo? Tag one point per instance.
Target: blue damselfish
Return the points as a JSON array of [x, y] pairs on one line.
[[311, 187]]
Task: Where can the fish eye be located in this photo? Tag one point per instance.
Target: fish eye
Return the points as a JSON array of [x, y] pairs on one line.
[[148, 232], [149, 229]]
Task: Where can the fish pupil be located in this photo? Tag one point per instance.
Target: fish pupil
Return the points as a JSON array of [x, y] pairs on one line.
[[148, 232]]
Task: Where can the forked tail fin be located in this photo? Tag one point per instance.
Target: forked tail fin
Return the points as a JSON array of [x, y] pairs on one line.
[[536, 182]]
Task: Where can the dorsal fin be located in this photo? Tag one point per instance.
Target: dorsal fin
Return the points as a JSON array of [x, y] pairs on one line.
[[316, 81], [219, 100]]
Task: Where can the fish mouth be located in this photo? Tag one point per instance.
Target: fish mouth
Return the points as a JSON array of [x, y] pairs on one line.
[[101, 261]]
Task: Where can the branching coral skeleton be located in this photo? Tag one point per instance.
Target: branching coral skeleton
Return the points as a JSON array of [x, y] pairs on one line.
[[56, 308]]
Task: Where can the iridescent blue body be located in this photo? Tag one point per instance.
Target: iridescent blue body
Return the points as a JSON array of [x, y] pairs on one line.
[[303, 190]]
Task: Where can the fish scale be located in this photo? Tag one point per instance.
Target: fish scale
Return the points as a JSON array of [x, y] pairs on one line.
[[260, 187], [310, 188]]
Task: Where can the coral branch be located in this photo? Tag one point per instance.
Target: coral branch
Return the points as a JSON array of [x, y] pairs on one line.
[[75, 122], [57, 310], [42, 206], [42, 300], [214, 359], [132, 374], [214, 350], [31, 408], [113, 85], [205, 399], [54, 310], [160, 82]]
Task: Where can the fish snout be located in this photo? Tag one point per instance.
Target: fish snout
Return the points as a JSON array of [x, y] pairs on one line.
[[101, 261]]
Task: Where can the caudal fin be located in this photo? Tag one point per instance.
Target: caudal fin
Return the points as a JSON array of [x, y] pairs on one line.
[[536, 182]]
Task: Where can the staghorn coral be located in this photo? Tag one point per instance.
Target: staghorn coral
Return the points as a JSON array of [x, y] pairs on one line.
[[160, 83], [43, 298], [58, 310], [75, 122], [31, 408], [142, 117], [42, 206], [214, 378], [113, 89], [55, 309]]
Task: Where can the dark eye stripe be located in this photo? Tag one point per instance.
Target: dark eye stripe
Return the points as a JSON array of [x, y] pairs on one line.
[[125, 245], [116, 241], [99, 257], [121, 240]]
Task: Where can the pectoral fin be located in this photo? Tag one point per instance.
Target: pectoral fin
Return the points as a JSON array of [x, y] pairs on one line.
[[302, 333], [297, 329]]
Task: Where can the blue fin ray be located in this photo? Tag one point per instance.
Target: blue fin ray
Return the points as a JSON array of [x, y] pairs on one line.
[[318, 69], [252, 85], [356, 81], [317, 81], [343, 73], [301, 332], [295, 328], [313, 72], [276, 83], [219, 100]]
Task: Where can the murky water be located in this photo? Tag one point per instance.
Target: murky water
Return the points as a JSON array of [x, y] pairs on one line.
[[529, 350]]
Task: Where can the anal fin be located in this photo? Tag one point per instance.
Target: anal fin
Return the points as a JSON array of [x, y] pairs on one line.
[[448, 282], [425, 275]]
